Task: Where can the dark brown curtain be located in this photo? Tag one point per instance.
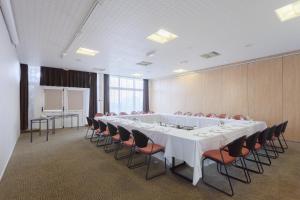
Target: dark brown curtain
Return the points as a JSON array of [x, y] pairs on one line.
[[146, 96], [93, 95], [24, 97], [65, 78], [106, 93]]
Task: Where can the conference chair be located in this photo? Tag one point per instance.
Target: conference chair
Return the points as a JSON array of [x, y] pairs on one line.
[[211, 115], [145, 145], [239, 117], [266, 142], [123, 113], [89, 127], [188, 114], [125, 140], [99, 114], [261, 146], [226, 156], [222, 116], [113, 138], [252, 146], [150, 112], [96, 130], [134, 113], [178, 113], [112, 114], [278, 135], [270, 142], [199, 114], [103, 134]]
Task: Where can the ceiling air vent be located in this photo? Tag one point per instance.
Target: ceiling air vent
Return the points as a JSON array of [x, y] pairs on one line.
[[144, 63], [210, 54]]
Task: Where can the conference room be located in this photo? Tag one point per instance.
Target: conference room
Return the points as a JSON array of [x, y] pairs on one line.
[[139, 99]]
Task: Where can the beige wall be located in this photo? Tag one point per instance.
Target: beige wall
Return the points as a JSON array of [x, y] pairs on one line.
[[267, 89]]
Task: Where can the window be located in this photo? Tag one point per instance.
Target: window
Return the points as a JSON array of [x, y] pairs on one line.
[[125, 94]]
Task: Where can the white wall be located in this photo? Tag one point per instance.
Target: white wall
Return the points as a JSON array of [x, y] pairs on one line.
[[9, 100]]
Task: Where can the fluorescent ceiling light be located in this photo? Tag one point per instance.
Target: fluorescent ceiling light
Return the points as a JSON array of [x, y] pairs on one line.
[[179, 70], [162, 36], [289, 11], [137, 75], [86, 52]]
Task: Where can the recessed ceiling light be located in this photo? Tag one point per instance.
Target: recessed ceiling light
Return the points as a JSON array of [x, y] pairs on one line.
[[86, 52], [162, 36], [179, 70], [289, 11], [137, 75]]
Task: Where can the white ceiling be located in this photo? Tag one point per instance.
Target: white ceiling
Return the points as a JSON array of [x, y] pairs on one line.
[[118, 28]]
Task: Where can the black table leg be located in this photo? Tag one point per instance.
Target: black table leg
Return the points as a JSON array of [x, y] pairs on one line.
[[71, 121], [53, 125], [77, 121], [174, 167], [40, 127], [47, 129], [30, 131]]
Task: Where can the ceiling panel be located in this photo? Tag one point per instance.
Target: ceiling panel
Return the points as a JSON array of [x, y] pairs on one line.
[[118, 28]]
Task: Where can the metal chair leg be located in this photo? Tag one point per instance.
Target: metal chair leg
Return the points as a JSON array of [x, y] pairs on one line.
[[210, 185]]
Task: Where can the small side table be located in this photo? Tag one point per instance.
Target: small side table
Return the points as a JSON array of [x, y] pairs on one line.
[[40, 121]]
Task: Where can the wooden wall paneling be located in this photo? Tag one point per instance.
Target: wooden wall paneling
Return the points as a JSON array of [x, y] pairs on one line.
[[234, 90], [265, 90], [291, 96], [211, 91]]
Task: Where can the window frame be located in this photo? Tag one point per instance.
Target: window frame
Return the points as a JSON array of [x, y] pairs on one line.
[[119, 88]]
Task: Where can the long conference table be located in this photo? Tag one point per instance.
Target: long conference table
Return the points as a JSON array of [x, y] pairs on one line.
[[187, 145]]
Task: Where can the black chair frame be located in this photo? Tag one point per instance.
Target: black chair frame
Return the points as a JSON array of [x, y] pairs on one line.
[[141, 140], [234, 149]]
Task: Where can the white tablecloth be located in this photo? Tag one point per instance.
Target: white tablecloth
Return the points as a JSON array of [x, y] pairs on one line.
[[187, 145]]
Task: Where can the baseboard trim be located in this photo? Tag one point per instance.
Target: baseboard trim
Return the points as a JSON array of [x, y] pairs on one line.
[[10, 154]]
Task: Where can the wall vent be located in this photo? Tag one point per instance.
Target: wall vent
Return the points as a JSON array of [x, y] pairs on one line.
[[210, 54], [144, 63]]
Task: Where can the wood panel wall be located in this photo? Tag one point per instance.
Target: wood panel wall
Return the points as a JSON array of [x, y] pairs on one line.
[[267, 90]]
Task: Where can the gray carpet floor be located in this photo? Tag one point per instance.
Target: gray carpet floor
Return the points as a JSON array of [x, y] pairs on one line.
[[70, 167]]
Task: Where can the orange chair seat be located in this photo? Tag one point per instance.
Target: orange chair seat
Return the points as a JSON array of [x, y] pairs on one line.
[[116, 137], [245, 151], [257, 146], [154, 147], [129, 142], [105, 133], [216, 155]]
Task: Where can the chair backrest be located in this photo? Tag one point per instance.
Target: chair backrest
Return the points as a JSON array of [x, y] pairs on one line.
[[188, 114], [178, 113], [222, 116], [251, 140], [99, 114], [200, 114], [235, 147], [150, 112], [112, 114], [263, 136], [284, 126], [211, 115], [89, 121], [124, 133], [278, 130], [112, 129], [271, 132], [95, 124], [123, 113], [239, 117], [140, 139], [102, 126], [134, 113]]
